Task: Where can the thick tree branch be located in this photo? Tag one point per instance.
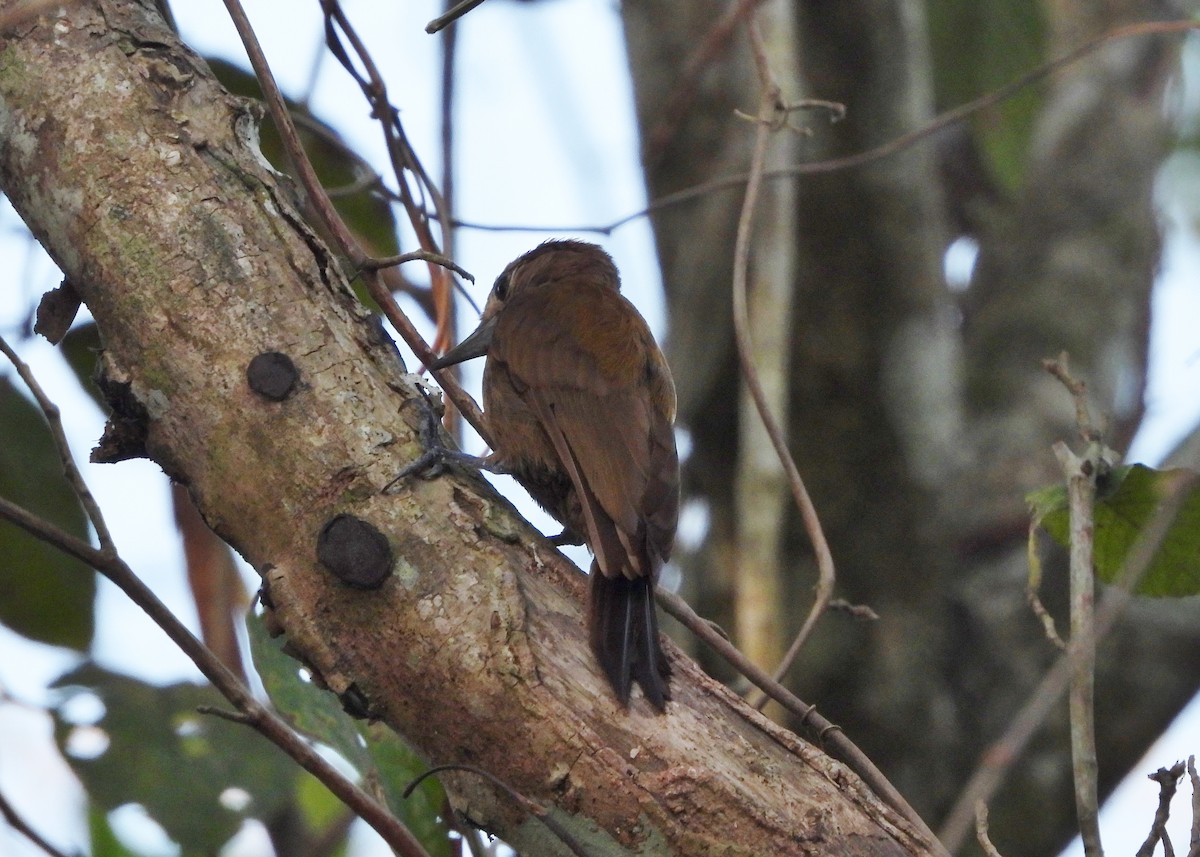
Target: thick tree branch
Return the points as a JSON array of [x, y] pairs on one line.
[[249, 710], [140, 177]]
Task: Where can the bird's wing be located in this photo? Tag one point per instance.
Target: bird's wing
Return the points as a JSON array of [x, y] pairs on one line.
[[601, 390]]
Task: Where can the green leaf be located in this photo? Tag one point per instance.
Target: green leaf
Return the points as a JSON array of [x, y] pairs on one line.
[[366, 212], [80, 347], [396, 766], [1043, 501], [310, 710], [44, 595], [1126, 503], [322, 810], [104, 841], [977, 48], [175, 762], [375, 751]]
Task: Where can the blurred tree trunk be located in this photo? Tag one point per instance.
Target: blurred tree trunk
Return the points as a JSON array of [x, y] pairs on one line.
[[920, 417]]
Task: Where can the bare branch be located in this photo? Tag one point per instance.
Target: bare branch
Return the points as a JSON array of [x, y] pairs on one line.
[[1194, 839], [70, 469], [1004, 752], [449, 230], [19, 824], [981, 830], [1080, 474], [884, 150], [1060, 369], [829, 734], [772, 115], [249, 710], [347, 244], [442, 21], [416, 256], [675, 110], [1168, 782], [403, 157]]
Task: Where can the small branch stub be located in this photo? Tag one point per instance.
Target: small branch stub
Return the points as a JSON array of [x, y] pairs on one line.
[[57, 311], [272, 375], [355, 552]]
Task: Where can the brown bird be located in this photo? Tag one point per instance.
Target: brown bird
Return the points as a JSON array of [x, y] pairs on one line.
[[580, 404]]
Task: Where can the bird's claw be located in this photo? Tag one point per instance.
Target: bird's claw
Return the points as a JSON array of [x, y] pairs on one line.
[[431, 464], [566, 537], [437, 458]]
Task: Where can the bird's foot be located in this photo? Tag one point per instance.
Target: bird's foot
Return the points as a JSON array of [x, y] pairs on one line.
[[566, 537], [437, 457]]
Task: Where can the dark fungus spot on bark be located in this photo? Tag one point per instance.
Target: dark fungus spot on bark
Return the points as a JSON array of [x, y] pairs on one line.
[[355, 702], [272, 375], [355, 552]]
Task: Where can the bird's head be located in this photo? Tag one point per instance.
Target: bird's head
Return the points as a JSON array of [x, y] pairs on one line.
[[552, 264]]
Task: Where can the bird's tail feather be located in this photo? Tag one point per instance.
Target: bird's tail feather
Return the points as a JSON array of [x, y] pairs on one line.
[[623, 629]]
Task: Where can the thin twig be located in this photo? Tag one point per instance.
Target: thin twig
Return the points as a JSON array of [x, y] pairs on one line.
[[237, 717], [1080, 475], [1003, 753], [449, 79], [255, 714], [672, 114], [415, 256], [1034, 585], [981, 830], [861, 612], [761, 489], [400, 152], [109, 563], [453, 15], [772, 114], [1194, 839], [17, 823], [829, 734], [70, 469], [449, 231], [884, 150], [1168, 782], [1061, 369], [347, 244], [527, 804]]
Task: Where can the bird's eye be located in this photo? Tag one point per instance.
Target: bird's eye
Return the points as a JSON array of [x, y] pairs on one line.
[[501, 287]]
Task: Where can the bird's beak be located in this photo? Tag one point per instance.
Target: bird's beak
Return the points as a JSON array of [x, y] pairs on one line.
[[475, 345]]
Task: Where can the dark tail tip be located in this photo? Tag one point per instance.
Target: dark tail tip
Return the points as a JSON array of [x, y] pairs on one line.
[[623, 630]]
